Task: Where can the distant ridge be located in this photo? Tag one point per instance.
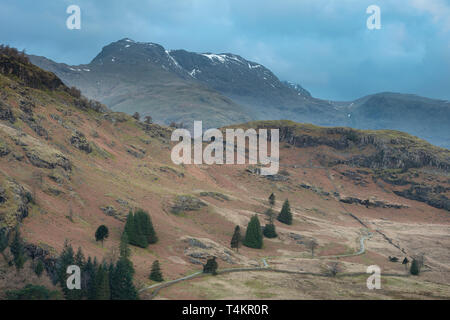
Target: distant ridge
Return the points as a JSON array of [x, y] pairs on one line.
[[221, 89]]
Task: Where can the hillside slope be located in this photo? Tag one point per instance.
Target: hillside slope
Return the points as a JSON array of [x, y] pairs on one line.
[[68, 166]]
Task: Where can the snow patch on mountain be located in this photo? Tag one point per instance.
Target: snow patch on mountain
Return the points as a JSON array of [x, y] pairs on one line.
[[214, 57], [172, 59], [194, 72]]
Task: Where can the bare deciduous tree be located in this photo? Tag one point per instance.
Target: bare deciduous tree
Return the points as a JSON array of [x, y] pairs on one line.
[[333, 269], [312, 245]]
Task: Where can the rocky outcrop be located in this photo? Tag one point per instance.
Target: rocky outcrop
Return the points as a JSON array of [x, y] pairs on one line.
[[14, 203], [47, 157], [433, 196], [6, 113], [198, 250], [384, 149], [79, 141], [35, 125], [372, 202], [43, 253], [4, 149], [314, 189], [186, 203], [111, 211], [136, 152], [215, 195]]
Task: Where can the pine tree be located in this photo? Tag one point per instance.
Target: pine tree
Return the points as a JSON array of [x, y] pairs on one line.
[[88, 280], [211, 266], [39, 268], [134, 230], [122, 287], [102, 233], [124, 250], [128, 229], [253, 235], [67, 259], [285, 215], [146, 226], [415, 268], [102, 289], [156, 274], [121, 275], [79, 258], [236, 239], [17, 250], [3, 240], [269, 231]]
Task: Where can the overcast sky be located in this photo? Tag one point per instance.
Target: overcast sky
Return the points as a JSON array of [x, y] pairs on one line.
[[324, 45]]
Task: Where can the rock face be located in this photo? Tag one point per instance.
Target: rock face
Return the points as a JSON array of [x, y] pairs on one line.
[[314, 189], [79, 141], [434, 196], [186, 203], [384, 149], [372, 202], [39, 154], [136, 152], [4, 149], [112, 212], [6, 113], [43, 253], [47, 157], [200, 249], [14, 202]]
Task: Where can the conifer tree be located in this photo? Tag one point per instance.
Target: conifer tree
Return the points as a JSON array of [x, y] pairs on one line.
[[17, 250], [67, 259], [146, 226], [236, 239], [134, 230], [124, 250], [269, 231], [285, 215], [156, 274], [125, 253], [415, 268], [39, 268], [129, 225], [88, 280], [253, 235], [79, 258], [102, 289], [122, 287], [3, 240], [121, 275]]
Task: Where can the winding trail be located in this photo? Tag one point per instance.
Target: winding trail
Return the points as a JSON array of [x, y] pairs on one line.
[[362, 249], [265, 267]]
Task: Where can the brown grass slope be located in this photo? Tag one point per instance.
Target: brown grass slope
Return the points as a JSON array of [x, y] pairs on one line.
[[66, 168]]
